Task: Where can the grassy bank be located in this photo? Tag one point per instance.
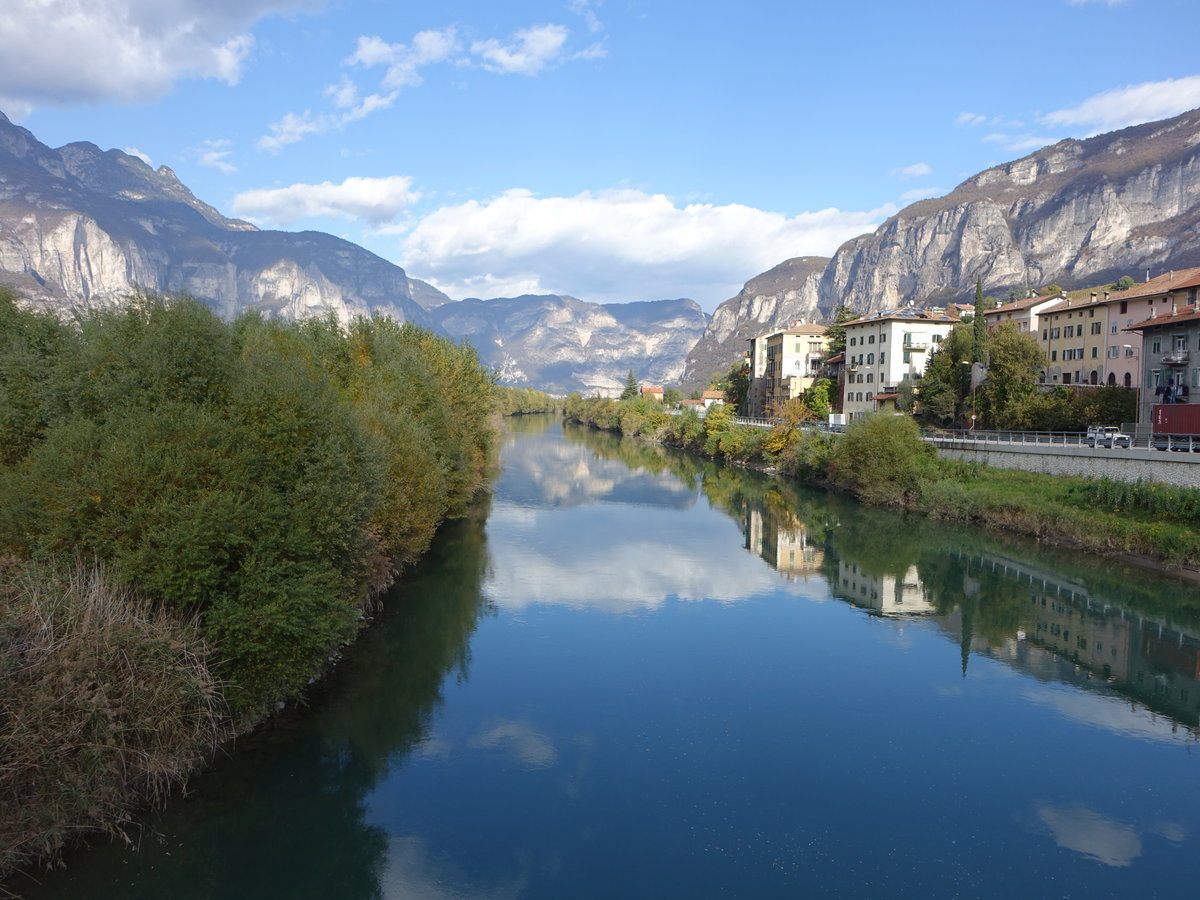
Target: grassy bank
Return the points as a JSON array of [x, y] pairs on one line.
[[217, 501], [882, 461]]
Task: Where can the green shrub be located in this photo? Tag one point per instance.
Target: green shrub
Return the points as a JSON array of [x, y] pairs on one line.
[[880, 459]]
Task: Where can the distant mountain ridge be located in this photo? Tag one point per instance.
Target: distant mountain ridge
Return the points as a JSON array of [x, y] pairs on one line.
[[562, 344], [1077, 213], [81, 227]]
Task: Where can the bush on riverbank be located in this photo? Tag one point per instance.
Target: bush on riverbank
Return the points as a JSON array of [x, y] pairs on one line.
[[260, 479]]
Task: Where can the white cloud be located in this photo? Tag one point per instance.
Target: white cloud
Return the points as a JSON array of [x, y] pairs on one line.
[[586, 10], [1130, 105], [916, 170], [970, 118], [65, 51], [374, 200], [405, 61], [144, 157], [528, 52], [215, 155], [1095, 836], [614, 245]]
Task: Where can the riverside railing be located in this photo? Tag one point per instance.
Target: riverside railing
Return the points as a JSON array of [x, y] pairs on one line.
[[1170, 442]]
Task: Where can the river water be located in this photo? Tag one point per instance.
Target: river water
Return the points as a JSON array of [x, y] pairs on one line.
[[635, 674]]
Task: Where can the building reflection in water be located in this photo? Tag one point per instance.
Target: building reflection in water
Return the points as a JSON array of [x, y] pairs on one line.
[[1052, 626]]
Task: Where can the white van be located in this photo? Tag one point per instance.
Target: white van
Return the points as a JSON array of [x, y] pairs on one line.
[[1106, 436]]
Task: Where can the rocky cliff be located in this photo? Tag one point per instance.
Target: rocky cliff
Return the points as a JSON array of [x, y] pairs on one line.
[[788, 292], [81, 227], [561, 344], [1077, 213]]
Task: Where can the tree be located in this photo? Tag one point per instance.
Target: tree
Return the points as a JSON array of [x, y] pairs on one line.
[[1014, 363], [735, 383], [836, 333], [905, 395], [946, 383], [1124, 283], [631, 386], [979, 324], [671, 397]]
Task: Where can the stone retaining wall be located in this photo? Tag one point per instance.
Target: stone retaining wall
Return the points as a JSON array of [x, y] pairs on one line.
[[1182, 469]]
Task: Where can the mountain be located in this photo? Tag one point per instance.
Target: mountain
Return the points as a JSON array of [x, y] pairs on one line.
[[83, 227], [1078, 213], [80, 227], [788, 292], [561, 344]]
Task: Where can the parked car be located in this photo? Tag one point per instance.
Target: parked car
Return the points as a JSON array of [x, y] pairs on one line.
[[1106, 436]]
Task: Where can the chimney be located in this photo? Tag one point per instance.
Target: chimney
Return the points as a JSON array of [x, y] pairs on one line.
[[1093, 300], [1147, 273], [1106, 295]]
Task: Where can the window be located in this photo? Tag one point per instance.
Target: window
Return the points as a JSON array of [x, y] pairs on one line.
[[1124, 307], [937, 338], [881, 357], [1095, 351], [1053, 356], [870, 359], [1181, 342], [871, 339], [1113, 351], [853, 342], [870, 396], [1045, 334], [870, 378], [1156, 345], [1097, 327], [1091, 313], [907, 357], [1114, 327], [883, 339], [1054, 334]]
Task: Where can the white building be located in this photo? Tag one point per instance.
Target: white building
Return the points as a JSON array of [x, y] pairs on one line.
[[882, 348]]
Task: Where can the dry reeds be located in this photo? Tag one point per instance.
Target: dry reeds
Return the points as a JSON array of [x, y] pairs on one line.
[[105, 705]]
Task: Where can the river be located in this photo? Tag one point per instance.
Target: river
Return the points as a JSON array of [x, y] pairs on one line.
[[632, 673]]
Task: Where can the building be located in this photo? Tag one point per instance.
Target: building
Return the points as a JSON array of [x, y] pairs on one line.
[[653, 392], [1169, 339], [784, 364], [1091, 340], [1022, 313], [885, 347]]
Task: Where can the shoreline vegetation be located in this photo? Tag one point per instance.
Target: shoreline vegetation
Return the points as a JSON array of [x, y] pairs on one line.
[[881, 461], [195, 517]]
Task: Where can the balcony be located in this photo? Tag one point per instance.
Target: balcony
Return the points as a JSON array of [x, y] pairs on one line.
[[915, 346], [1177, 358]]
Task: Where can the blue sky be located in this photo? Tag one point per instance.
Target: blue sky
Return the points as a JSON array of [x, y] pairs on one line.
[[609, 149]]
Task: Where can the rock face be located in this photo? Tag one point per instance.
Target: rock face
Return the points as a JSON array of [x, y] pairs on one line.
[[83, 227], [561, 344], [1078, 213], [788, 292]]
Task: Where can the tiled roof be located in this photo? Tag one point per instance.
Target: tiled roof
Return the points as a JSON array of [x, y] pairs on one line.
[[1172, 281], [909, 313], [1184, 314]]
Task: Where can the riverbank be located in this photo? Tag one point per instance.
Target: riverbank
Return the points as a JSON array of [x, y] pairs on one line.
[[882, 461], [195, 518]]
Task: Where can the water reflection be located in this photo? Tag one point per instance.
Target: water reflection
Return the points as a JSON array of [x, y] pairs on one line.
[[1117, 633]]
